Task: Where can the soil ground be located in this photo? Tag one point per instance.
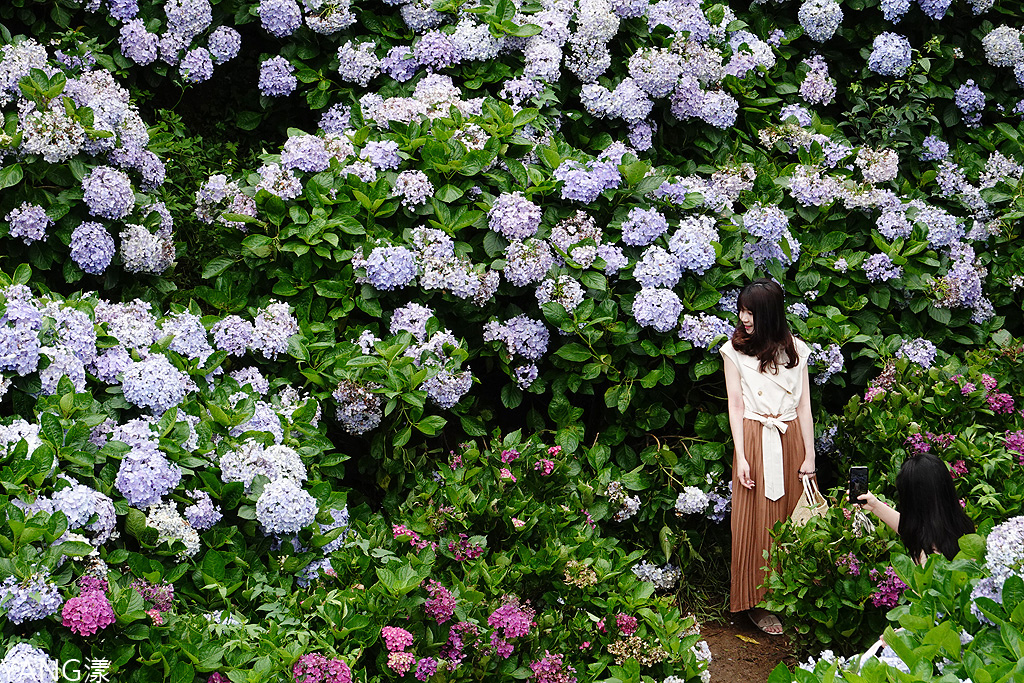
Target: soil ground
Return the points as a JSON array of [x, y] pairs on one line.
[[735, 659]]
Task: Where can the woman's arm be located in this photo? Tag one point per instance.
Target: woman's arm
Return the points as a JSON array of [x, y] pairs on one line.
[[806, 420], [881, 510], [735, 393]]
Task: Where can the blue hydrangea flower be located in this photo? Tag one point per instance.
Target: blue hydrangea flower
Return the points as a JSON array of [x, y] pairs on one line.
[[522, 336], [223, 44], [145, 477], [27, 664], [155, 384], [920, 351], [658, 308], [514, 216], [35, 598], [820, 18], [284, 508], [277, 78], [890, 54], [702, 329], [880, 268], [446, 388], [971, 102], [203, 514], [92, 247], [138, 44], [280, 18], [196, 66], [232, 334], [643, 226], [29, 222], [306, 153], [657, 268], [108, 193]]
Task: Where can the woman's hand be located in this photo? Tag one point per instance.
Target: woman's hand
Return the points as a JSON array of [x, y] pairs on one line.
[[807, 469], [867, 501], [743, 472]]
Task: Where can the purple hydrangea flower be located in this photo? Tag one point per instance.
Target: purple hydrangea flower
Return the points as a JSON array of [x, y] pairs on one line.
[[145, 477], [29, 222], [155, 384], [514, 216], [276, 77], [224, 44], [920, 351], [108, 193], [522, 336], [880, 268], [138, 44], [643, 226], [971, 102], [196, 66], [280, 18], [890, 54], [284, 508], [389, 268], [658, 308]]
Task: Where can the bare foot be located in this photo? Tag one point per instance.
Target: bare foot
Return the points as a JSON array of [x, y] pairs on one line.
[[766, 621]]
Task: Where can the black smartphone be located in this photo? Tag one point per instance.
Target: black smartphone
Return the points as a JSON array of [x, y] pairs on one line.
[[858, 483]]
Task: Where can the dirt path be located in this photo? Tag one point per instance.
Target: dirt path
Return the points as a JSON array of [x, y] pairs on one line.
[[736, 659]]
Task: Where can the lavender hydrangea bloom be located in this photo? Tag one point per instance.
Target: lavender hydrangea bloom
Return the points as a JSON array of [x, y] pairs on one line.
[[138, 44], [657, 308], [108, 193], [527, 261], [273, 326], [145, 252], [28, 664], [277, 78], [522, 336], [35, 598], [893, 10], [382, 154], [820, 18], [971, 102], [514, 216], [934, 149], [145, 477], [203, 514], [280, 18], [358, 63], [880, 268], [399, 63], [766, 222], [935, 9], [224, 44], [196, 66], [63, 363], [657, 268], [447, 388], [188, 18], [335, 120], [643, 226], [702, 329], [284, 508], [943, 228], [894, 224], [389, 268], [29, 222], [890, 54], [306, 153], [691, 501], [920, 351], [613, 258], [413, 187], [155, 384], [92, 247], [692, 243]]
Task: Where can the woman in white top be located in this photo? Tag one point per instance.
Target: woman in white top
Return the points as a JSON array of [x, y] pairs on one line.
[[773, 435]]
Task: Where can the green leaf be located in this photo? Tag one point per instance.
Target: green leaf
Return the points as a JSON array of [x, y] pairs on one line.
[[573, 352], [10, 175], [248, 120], [216, 266]]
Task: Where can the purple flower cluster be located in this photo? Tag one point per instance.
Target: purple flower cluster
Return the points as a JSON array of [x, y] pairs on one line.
[[658, 308], [920, 351], [521, 335], [203, 514], [316, 668], [92, 247], [970, 100], [29, 222], [527, 261], [108, 193], [34, 598], [890, 54], [702, 329], [27, 664], [280, 18], [89, 613], [880, 268], [889, 588], [155, 384], [359, 409], [388, 268], [585, 182], [277, 77], [643, 226], [145, 477], [514, 216], [440, 606], [820, 18], [284, 508]]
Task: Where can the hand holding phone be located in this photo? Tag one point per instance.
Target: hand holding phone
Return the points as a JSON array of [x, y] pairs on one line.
[[858, 483]]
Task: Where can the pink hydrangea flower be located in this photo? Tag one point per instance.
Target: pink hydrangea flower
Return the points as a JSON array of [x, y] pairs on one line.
[[88, 613], [396, 639], [958, 468], [506, 473], [968, 388], [1000, 403], [872, 393], [989, 381], [545, 466], [554, 450], [316, 668], [626, 624], [509, 455], [401, 662], [441, 604], [518, 523]]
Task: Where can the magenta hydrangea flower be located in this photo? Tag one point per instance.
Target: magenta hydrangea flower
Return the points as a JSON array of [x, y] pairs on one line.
[[316, 668], [88, 614], [626, 624], [396, 639], [440, 606]]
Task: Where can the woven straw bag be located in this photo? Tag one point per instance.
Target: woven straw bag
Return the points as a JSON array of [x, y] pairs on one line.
[[811, 503]]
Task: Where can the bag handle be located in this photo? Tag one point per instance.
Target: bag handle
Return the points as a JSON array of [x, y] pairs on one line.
[[811, 488]]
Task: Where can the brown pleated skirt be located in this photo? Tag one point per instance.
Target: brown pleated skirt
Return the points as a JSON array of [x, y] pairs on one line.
[[753, 514]]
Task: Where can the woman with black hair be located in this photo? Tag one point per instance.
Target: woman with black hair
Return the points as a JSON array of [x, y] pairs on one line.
[[773, 436], [930, 518]]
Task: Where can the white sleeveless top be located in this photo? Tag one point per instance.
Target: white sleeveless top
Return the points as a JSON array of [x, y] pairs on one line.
[[767, 393]]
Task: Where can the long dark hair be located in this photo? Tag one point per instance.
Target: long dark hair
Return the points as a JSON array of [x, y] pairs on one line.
[[931, 517], [771, 337]]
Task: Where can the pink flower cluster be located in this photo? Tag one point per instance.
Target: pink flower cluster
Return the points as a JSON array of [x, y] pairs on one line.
[[958, 468], [425, 668], [440, 606], [626, 624], [316, 668], [1000, 403], [922, 442], [551, 669], [160, 594], [506, 473], [890, 588], [989, 381], [460, 635], [396, 639], [89, 613], [415, 540], [464, 550], [872, 393], [509, 455], [401, 662], [511, 620], [1015, 442], [545, 466], [849, 560], [218, 677]]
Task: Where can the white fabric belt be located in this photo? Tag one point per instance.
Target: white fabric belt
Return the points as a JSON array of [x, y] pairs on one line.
[[772, 429]]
